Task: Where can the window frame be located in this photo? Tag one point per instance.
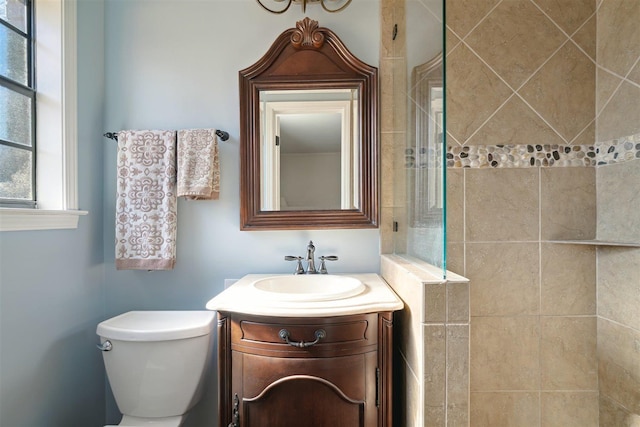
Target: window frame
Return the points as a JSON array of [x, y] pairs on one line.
[[29, 91], [56, 126]]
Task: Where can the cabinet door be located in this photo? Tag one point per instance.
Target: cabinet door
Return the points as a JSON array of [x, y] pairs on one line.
[[313, 392], [303, 400]]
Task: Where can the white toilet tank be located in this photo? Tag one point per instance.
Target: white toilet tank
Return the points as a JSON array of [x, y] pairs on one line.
[[157, 360]]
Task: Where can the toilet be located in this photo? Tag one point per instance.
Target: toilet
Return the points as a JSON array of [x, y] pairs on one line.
[[155, 363]]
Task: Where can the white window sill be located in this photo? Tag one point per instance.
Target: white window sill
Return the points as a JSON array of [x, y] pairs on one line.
[[17, 219]]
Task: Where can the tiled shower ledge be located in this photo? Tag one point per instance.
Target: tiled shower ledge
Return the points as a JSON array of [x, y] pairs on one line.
[[596, 242]]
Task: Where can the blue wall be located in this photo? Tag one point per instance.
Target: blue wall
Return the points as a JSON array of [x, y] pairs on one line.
[[174, 64], [52, 282]]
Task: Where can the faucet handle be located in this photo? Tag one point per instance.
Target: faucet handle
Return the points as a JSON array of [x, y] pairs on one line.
[[323, 267], [299, 267]]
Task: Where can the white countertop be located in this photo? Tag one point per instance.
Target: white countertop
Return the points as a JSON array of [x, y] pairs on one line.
[[242, 297]]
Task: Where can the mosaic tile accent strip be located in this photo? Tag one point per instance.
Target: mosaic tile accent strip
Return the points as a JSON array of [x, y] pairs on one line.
[[619, 150], [542, 155], [520, 156]]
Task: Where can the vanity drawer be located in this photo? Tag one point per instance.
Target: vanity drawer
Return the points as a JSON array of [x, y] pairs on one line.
[[342, 335]]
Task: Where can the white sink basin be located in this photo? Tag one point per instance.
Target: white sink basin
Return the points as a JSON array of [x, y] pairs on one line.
[[309, 288]]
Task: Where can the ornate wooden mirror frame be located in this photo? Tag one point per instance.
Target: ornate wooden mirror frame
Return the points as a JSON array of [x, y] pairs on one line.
[[308, 57]]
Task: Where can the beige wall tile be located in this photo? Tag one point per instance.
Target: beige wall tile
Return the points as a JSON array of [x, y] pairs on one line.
[[400, 16], [463, 15], [618, 296], [457, 415], [563, 91], [474, 92], [618, 34], [568, 283], [451, 40], [620, 345], [400, 95], [505, 409], [386, 230], [409, 337], [387, 19], [400, 237], [619, 202], [569, 15], [458, 370], [434, 350], [435, 303], [587, 136], [607, 84], [621, 117], [515, 123], [455, 205], [634, 76], [504, 353], [568, 203], [400, 178], [455, 257], [585, 37], [505, 278], [434, 416], [458, 302], [616, 384], [387, 169], [501, 204], [568, 358], [515, 39], [406, 396], [569, 409], [614, 415]]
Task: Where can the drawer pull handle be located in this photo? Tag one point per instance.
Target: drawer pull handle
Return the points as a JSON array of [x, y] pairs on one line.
[[320, 334]]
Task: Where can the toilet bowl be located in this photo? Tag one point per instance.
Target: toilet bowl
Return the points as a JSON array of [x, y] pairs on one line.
[[155, 363]]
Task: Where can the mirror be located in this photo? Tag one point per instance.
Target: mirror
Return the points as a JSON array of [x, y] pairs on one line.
[[426, 185], [309, 157], [308, 135]]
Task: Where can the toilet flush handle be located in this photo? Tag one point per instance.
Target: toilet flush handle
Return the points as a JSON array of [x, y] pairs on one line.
[[105, 346]]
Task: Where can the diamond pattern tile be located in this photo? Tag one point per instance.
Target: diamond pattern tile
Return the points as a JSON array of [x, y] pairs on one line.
[[585, 37], [474, 92], [463, 15], [500, 130], [569, 15], [515, 40], [618, 35], [563, 91]]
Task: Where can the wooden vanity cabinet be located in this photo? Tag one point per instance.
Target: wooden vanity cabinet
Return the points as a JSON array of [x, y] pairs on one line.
[[344, 380]]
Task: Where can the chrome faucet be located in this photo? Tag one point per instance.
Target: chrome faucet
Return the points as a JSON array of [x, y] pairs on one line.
[[311, 263]]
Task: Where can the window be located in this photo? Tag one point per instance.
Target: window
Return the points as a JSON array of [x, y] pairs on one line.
[[54, 76], [17, 104]]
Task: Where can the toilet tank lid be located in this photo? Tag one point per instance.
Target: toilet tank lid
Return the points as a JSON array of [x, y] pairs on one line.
[[157, 325]]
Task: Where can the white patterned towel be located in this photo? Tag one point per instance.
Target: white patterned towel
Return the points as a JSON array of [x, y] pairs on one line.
[[198, 165], [146, 205]]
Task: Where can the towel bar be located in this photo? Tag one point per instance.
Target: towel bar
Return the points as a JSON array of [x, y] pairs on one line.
[[221, 134]]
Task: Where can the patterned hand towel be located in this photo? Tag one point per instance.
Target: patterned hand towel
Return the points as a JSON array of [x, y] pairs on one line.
[[198, 165], [146, 205]]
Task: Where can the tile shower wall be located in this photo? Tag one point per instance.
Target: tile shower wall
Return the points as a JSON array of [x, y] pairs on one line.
[[521, 97], [617, 99]]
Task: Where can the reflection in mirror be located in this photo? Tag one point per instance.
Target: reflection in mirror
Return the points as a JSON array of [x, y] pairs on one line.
[[309, 150], [426, 185]]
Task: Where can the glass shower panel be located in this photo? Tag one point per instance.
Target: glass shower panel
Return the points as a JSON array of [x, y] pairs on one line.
[[420, 192]]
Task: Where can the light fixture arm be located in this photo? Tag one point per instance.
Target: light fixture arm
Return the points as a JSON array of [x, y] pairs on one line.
[[276, 11], [323, 3], [324, 6]]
